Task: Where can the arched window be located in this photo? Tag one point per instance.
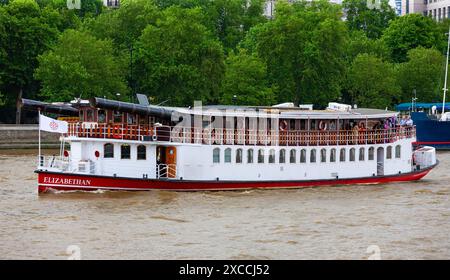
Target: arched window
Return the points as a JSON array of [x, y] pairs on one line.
[[352, 154], [362, 154], [227, 155], [398, 151], [272, 156], [108, 150], [282, 156], [292, 156], [342, 155], [239, 156], [389, 152], [141, 152], [333, 155], [216, 155], [303, 156], [312, 157], [250, 156], [371, 153], [260, 156], [323, 155], [125, 151]]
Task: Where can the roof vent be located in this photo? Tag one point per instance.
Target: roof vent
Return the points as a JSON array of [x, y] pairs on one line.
[[284, 105], [339, 107]]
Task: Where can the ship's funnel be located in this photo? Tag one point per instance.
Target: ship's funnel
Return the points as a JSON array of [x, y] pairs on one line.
[[61, 109], [127, 107]]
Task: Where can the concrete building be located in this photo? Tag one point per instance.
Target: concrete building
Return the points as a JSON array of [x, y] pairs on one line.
[[437, 9]]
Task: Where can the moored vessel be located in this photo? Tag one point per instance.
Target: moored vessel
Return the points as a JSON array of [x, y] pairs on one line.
[[117, 145]]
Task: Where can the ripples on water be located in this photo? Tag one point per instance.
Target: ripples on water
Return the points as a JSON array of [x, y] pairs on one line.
[[405, 220]]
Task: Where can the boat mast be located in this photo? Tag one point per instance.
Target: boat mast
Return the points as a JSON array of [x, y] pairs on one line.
[[446, 73]]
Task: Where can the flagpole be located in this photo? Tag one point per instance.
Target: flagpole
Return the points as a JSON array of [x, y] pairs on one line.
[[39, 144]]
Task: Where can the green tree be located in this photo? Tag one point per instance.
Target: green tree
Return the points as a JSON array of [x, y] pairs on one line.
[[359, 43], [28, 32], [178, 58], [423, 72], [124, 25], [371, 17], [228, 19], [372, 82], [79, 66], [411, 31], [303, 48], [245, 81]]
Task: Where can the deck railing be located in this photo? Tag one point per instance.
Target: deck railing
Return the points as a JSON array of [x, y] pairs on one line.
[[241, 136]]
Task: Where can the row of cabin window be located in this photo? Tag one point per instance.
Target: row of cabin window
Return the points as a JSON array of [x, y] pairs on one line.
[[303, 155], [125, 151]]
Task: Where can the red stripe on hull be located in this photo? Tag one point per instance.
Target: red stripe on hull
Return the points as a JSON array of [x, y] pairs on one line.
[[62, 181]]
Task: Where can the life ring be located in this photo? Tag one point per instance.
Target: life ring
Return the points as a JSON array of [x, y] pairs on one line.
[[283, 125], [322, 125], [116, 132]]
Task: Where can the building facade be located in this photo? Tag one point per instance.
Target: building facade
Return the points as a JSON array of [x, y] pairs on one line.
[[437, 9]]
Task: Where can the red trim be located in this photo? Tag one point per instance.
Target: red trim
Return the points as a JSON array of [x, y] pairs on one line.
[[62, 181], [431, 143]]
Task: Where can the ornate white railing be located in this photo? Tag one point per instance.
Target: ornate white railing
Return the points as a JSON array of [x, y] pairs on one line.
[[214, 136]]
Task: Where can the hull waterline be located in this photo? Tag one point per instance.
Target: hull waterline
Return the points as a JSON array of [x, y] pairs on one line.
[[68, 182]]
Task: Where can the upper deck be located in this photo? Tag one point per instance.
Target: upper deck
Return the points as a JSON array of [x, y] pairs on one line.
[[216, 136]]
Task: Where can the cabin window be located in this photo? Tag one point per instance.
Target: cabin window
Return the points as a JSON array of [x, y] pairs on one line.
[[389, 152], [312, 157], [303, 156], [81, 116], [239, 156], [398, 151], [362, 152], [141, 152], [131, 119], [216, 155], [292, 156], [282, 156], [272, 156], [303, 124], [117, 116], [90, 115], [333, 155], [371, 153], [342, 155], [228, 155], [125, 152], [108, 150], [352, 154], [323, 155], [101, 116], [250, 156], [260, 156]]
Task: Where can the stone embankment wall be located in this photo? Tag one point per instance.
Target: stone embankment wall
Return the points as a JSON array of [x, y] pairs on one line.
[[26, 136]]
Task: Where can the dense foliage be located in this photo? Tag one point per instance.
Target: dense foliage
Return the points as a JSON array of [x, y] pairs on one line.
[[227, 51]]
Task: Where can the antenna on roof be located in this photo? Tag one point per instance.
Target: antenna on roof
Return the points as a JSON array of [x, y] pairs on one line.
[[159, 104]]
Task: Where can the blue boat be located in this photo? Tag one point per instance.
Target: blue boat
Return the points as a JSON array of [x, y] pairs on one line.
[[430, 129], [431, 121]]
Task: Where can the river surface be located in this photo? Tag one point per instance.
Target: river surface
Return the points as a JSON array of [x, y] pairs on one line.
[[392, 221]]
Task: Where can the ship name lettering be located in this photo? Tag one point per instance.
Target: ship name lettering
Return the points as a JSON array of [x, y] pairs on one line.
[[66, 181]]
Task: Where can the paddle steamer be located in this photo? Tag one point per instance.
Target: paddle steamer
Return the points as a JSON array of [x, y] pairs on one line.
[[116, 145]]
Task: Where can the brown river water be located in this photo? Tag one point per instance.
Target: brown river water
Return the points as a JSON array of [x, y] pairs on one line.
[[392, 221]]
